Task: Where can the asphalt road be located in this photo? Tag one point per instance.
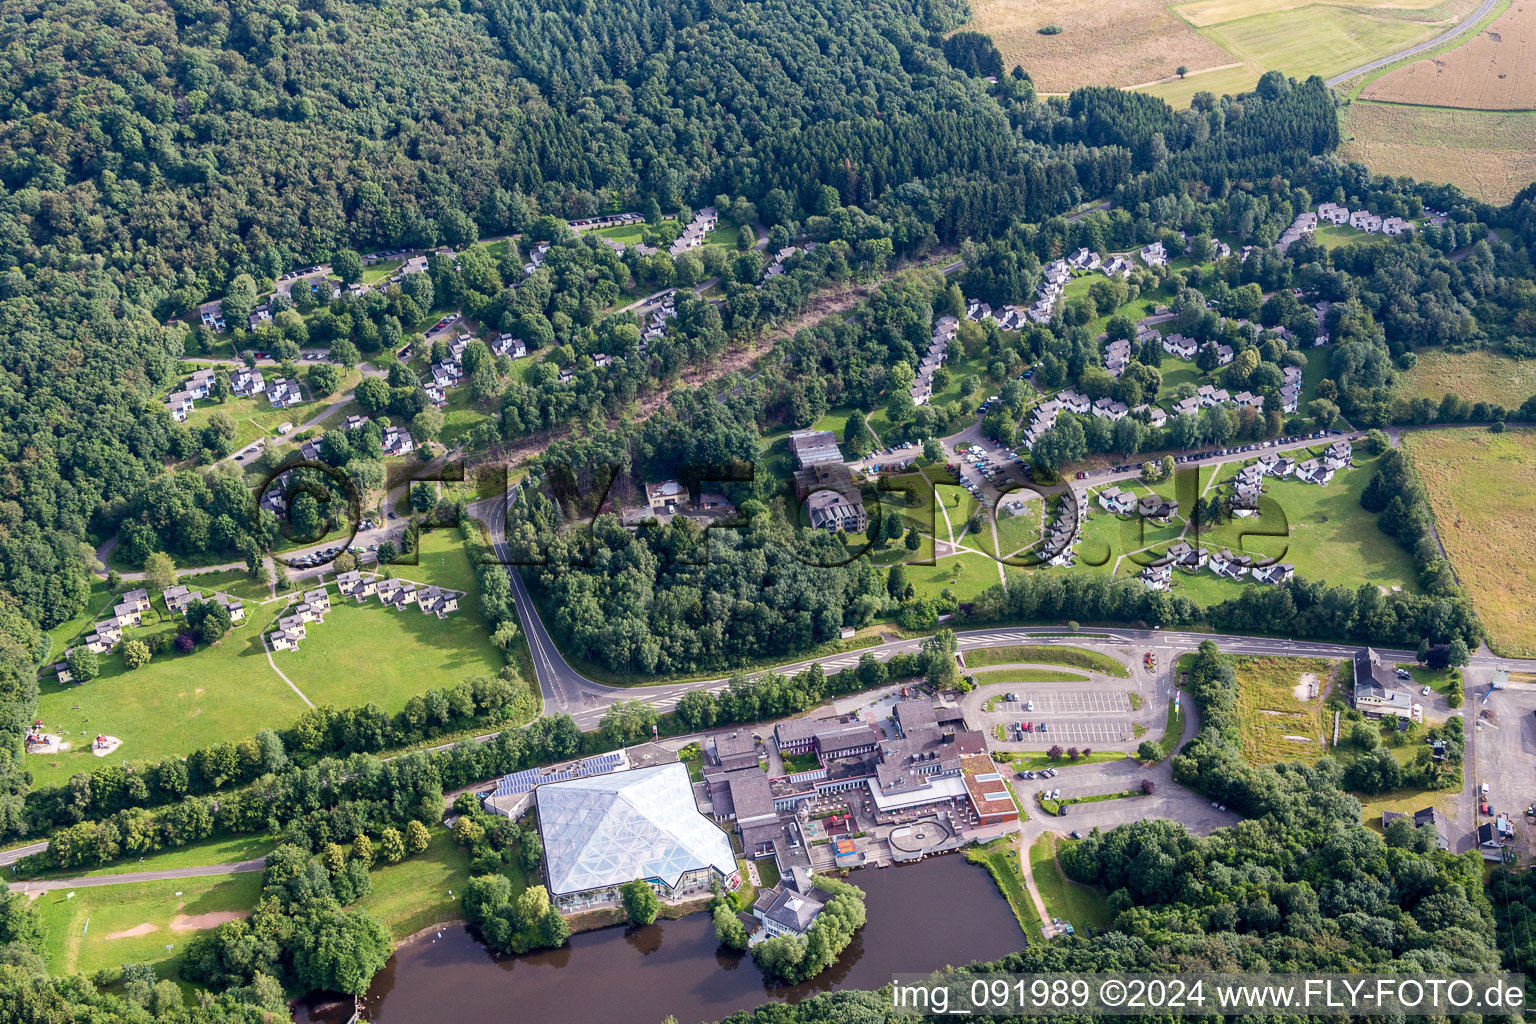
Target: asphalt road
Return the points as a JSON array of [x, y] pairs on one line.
[[1443, 37], [567, 691], [200, 871]]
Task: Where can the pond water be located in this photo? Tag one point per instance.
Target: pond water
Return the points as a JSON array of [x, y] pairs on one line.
[[920, 917]]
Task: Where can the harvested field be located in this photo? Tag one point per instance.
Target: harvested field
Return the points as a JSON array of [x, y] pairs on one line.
[[1495, 70], [1488, 154], [1482, 489], [1202, 13], [1100, 44]]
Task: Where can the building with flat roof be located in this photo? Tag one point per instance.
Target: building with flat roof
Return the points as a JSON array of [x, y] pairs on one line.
[[600, 832]]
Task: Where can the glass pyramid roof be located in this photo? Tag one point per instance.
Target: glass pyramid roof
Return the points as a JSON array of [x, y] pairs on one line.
[[614, 828]]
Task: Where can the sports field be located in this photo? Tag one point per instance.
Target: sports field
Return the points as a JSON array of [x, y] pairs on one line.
[[107, 926], [1491, 71], [1488, 154], [1482, 488]]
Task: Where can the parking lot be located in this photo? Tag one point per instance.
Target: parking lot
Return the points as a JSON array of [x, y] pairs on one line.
[[1066, 702], [1505, 753], [1073, 733]]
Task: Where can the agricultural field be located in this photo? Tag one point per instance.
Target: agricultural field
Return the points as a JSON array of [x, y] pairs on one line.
[[1224, 45], [1482, 490], [1488, 154], [1280, 702], [1490, 71], [106, 926], [1477, 376], [1115, 44]]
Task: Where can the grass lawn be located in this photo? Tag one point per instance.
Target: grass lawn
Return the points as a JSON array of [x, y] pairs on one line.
[[1019, 531], [1075, 657], [381, 270], [1476, 376], [1034, 762], [419, 891], [134, 923], [1404, 801], [768, 872], [225, 850], [254, 416], [1331, 236], [1173, 731], [630, 234], [794, 763], [234, 582], [1001, 859], [1444, 681], [834, 420], [1321, 530], [366, 653], [1482, 491], [100, 601], [460, 415], [1271, 709], [1027, 675], [1083, 906], [172, 706], [967, 575]]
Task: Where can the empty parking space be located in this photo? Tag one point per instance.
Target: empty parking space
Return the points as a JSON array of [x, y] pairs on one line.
[[1076, 733], [1067, 702]]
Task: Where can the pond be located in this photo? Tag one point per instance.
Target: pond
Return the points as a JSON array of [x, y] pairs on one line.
[[920, 917]]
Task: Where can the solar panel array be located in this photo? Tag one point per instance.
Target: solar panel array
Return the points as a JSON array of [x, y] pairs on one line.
[[530, 778]]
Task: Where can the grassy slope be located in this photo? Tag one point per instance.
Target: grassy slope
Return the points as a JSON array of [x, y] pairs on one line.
[[1072, 901], [1042, 655]]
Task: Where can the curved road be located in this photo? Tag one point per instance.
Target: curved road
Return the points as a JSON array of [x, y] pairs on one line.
[[1411, 51], [566, 691]]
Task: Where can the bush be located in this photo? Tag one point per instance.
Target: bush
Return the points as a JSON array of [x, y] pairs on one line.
[[1051, 30]]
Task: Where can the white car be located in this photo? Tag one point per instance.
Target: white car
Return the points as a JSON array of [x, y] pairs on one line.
[[1424, 692]]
